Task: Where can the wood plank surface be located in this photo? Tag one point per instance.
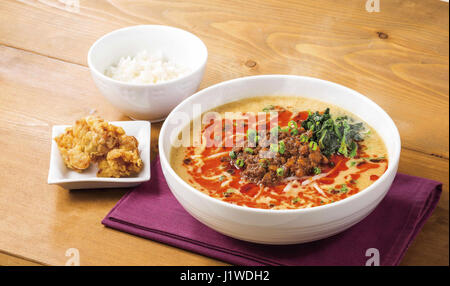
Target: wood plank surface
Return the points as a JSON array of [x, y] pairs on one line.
[[398, 58], [340, 42]]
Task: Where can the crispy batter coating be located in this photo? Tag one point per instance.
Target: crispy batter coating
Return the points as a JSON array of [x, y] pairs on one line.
[[72, 152], [97, 136], [122, 161], [92, 140]]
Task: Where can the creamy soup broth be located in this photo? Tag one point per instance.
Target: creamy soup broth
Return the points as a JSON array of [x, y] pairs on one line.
[[212, 171]]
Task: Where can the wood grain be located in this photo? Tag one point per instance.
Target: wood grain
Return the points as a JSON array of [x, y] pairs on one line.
[[398, 57], [339, 42], [7, 259], [40, 221]]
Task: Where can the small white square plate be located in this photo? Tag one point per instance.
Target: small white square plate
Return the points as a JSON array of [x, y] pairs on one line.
[[60, 175]]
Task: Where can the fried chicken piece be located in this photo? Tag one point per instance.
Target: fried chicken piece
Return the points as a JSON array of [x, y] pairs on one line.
[[72, 153], [97, 136], [123, 161], [90, 140]]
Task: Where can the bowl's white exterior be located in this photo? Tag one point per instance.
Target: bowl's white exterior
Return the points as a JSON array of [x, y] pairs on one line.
[[282, 226], [148, 101]]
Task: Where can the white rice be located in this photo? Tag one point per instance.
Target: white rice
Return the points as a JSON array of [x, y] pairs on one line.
[[145, 68]]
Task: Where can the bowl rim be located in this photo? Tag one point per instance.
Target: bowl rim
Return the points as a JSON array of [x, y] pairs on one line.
[[391, 171], [160, 84]]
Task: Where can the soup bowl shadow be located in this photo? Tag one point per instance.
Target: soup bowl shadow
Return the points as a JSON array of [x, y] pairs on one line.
[[280, 226]]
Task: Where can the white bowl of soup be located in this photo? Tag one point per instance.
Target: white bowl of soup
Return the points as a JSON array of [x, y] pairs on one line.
[[279, 159]]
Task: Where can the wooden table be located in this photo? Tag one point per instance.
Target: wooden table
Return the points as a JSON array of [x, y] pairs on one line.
[[398, 57]]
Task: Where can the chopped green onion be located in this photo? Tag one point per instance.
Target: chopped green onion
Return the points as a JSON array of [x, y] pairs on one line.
[[317, 170], [285, 129], [344, 188], [232, 155], [240, 163], [274, 147], [248, 150], [221, 178], [252, 136], [313, 145], [228, 192], [304, 138], [292, 124], [294, 201], [280, 172], [274, 131], [251, 132], [268, 108], [294, 132], [281, 147]]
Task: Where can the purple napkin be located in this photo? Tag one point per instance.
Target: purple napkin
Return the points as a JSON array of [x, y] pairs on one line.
[[151, 211]]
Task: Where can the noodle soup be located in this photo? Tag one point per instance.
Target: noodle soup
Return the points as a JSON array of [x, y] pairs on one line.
[[279, 152]]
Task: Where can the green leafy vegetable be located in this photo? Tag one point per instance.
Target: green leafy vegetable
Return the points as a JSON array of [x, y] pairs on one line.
[[353, 149], [338, 135]]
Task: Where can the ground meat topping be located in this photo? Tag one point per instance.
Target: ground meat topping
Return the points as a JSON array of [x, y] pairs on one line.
[[277, 155]]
